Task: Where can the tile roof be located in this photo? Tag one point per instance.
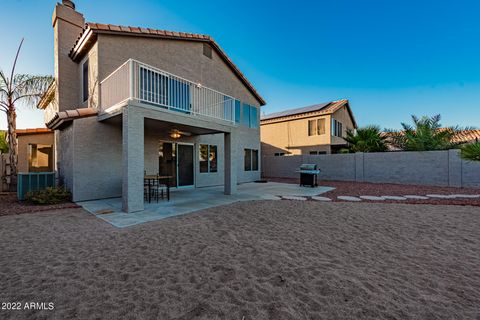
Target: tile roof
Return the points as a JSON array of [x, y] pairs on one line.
[[92, 28], [64, 117], [23, 132], [47, 96], [465, 136]]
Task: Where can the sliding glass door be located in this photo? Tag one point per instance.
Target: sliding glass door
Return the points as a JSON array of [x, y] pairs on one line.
[[176, 161]]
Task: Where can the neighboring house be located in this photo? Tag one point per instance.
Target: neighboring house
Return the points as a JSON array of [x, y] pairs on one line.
[[317, 129], [35, 150], [130, 100]]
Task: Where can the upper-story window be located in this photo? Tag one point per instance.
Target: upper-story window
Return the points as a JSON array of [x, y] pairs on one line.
[[238, 109], [337, 128], [316, 127], [250, 116], [85, 81]]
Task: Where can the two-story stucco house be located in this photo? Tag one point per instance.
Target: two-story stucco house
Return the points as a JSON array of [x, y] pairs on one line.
[[128, 101], [317, 129]]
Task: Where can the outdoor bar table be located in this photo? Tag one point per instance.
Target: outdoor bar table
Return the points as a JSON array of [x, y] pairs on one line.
[[161, 179]]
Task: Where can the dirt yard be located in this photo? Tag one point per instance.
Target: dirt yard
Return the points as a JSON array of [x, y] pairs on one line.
[[250, 260], [9, 205]]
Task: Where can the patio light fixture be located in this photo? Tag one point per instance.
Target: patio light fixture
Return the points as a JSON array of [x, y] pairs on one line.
[[175, 135]]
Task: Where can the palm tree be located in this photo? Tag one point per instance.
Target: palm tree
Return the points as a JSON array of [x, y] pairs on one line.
[[471, 151], [425, 134], [14, 90], [366, 139]]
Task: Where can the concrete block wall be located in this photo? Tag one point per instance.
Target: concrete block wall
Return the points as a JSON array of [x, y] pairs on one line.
[[437, 168]]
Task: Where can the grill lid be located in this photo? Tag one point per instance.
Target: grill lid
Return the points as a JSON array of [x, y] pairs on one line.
[[308, 166]]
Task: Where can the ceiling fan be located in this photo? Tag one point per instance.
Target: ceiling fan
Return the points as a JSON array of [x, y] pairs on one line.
[[175, 133]]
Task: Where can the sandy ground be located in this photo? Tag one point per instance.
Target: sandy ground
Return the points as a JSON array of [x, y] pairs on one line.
[[251, 260], [10, 205]]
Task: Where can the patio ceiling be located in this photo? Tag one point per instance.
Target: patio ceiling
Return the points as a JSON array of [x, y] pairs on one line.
[[152, 125]]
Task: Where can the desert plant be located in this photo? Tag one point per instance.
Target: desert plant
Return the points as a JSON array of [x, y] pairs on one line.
[[3, 142], [14, 90], [366, 139], [471, 151], [50, 195], [425, 134]]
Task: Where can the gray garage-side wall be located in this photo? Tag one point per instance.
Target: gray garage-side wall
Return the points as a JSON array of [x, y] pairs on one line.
[[438, 168]]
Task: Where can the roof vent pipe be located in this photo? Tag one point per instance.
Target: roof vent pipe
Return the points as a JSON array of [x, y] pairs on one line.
[[69, 4]]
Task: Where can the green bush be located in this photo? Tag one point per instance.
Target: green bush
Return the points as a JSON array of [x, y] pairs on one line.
[[50, 195], [366, 139], [471, 151]]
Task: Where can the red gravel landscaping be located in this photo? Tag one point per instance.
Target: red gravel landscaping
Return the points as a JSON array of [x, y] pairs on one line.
[[9, 205], [346, 188]]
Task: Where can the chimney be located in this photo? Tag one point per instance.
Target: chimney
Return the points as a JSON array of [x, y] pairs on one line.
[[69, 4], [67, 24]]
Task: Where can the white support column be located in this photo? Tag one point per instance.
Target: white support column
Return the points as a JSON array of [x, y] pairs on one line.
[[133, 160], [230, 153]]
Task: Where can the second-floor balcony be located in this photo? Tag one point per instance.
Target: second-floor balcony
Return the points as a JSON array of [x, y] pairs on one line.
[[140, 82]]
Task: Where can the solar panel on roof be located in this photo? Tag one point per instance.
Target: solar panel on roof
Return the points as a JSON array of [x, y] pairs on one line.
[[291, 112]]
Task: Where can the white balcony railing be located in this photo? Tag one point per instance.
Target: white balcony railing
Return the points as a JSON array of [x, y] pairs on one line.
[[137, 81]]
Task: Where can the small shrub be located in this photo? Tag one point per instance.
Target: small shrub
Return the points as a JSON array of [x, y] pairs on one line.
[[50, 195], [471, 151]]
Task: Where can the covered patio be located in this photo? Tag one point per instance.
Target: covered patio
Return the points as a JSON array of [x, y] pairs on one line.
[[185, 201]]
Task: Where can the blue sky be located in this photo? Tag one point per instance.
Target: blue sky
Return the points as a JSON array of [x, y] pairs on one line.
[[391, 59]]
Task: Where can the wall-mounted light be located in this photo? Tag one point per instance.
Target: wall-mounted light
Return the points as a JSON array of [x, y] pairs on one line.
[[175, 135]]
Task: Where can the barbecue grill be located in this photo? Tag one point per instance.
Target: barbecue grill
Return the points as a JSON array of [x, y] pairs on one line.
[[308, 175]]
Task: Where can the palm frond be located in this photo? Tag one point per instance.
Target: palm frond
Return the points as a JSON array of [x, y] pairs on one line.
[[471, 151], [366, 139], [30, 88]]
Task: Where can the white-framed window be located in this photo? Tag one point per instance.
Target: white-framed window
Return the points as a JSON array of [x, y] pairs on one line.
[[279, 154], [251, 160], [208, 158]]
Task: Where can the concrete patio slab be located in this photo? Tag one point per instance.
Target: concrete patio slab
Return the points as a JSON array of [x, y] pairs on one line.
[[183, 201]]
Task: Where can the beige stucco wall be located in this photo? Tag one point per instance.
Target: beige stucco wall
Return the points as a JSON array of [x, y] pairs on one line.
[[291, 137], [24, 141], [343, 116]]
